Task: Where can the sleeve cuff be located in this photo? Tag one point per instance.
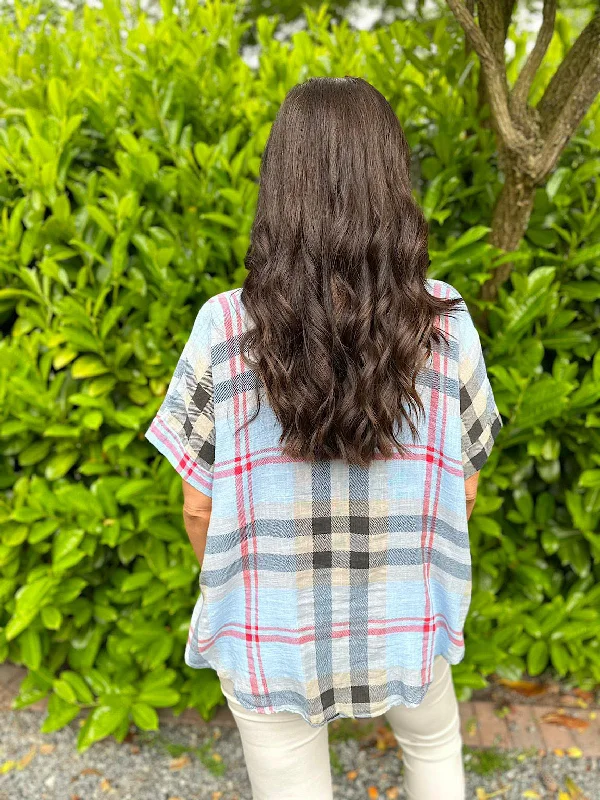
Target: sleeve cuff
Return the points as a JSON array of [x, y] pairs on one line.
[[479, 452], [162, 437]]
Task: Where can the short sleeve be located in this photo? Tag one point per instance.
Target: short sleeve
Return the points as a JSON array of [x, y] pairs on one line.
[[183, 429], [480, 419]]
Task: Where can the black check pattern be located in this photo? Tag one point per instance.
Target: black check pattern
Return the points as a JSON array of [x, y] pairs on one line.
[[190, 409], [480, 419]]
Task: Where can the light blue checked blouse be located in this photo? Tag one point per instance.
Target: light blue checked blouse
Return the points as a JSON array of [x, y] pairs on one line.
[[326, 589]]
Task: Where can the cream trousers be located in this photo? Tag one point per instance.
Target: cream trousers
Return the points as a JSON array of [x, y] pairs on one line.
[[288, 759]]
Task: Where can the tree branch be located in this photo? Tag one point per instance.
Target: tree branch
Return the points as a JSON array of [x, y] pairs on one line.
[[495, 77], [522, 86], [570, 116], [494, 18], [471, 10], [584, 52]]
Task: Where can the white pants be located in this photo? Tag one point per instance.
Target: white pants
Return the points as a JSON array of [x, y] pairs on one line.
[[288, 759]]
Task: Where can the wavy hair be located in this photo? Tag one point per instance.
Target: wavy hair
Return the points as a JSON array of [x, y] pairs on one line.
[[340, 318]]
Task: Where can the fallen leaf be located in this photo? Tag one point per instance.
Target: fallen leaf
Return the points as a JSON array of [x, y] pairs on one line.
[[593, 715], [105, 785], [217, 757], [481, 794], [558, 752], [352, 775], [373, 792], [90, 771], [566, 721], [588, 697], [216, 795], [563, 796], [530, 793], [134, 750], [392, 793], [45, 749], [385, 739], [570, 700], [7, 766], [574, 791], [23, 762], [502, 712], [471, 726], [574, 752], [179, 763], [525, 688]]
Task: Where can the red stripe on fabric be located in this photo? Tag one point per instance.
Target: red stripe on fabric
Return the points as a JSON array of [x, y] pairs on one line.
[[340, 633], [378, 622], [255, 637], [240, 503], [278, 458], [429, 456], [186, 466], [431, 438], [438, 473]]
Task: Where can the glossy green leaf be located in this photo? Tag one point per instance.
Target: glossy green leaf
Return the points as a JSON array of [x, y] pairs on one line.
[[60, 713], [537, 658], [144, 716], [101, 722], [60, 464], [88, 367], [159, 697]]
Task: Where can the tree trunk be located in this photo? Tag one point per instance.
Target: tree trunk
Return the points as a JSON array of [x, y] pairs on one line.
[[510, 219]]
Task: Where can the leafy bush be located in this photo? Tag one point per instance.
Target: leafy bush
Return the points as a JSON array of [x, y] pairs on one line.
[[129, 158]]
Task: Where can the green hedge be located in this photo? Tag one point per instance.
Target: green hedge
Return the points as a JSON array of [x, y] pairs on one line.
[[129, 157]]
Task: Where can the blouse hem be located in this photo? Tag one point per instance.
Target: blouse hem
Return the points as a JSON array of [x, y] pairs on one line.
[[393, 700]]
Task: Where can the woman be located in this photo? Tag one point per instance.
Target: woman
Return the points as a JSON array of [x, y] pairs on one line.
[[329, 421]]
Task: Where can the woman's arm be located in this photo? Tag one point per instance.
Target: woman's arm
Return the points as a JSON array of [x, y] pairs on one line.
[[197, 508], [471, 492]]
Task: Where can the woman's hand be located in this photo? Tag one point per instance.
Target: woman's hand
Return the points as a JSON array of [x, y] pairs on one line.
[[197, 508]]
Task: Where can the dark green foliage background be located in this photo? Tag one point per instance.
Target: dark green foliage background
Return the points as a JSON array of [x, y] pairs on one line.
[[129, 157]]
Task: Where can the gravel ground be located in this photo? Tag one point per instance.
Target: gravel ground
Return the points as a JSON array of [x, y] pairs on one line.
[[179, 764]]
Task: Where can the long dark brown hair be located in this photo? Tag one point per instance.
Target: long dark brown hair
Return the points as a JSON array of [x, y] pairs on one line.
[[340, 318]]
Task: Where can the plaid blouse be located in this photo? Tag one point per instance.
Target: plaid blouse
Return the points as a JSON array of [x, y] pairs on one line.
[[327, 589]]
